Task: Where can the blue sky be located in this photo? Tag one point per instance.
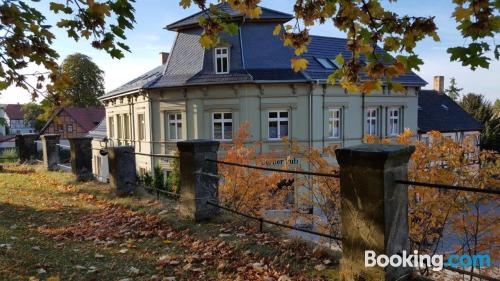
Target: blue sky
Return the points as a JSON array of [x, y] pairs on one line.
[[148, 38]]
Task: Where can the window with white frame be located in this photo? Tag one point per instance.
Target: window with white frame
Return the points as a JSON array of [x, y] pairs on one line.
[[222, 60], [371, 121], [69, 128], [394, 121], [335, 123], [278, 124], [119, 127], [222, 126], [126, 126], [111, 126], [141, 126], [174, 125]]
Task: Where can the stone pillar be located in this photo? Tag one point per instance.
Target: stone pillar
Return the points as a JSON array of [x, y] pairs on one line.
[[122, 172], [26, 146], [50, 151], [197, 187], [374, 210], [81, 157]]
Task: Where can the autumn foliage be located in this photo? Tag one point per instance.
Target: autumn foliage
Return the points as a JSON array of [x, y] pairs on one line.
[[440, 220]]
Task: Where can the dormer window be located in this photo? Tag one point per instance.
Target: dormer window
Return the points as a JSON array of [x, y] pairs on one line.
[[222, 60], [325, 63]]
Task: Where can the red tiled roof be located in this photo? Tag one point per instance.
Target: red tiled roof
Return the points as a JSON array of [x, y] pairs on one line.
[[14, 111], [88, 118]]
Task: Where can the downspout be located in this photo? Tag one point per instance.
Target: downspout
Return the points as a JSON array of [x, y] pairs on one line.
[[323, 115], [310, 109], [362, 117], [241, 45], [151, 144]]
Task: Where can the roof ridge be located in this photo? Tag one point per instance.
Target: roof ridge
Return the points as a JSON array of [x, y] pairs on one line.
[[329, 37]]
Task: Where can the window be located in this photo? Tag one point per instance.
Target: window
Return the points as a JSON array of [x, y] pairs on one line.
[[126, 126], [394, 124], [141, 123], [222, 123], [60, 128], [325, 63], [69, 128], [119, 127], [111, 126], [221, 60], [174, 126], [278, 124], [334, 124], [371, 121], [334, 62]]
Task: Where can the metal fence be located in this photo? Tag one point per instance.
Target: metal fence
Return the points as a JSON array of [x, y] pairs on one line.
[[261, 220]]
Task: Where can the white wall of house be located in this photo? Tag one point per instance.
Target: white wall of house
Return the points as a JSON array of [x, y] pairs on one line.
[[18, 126]]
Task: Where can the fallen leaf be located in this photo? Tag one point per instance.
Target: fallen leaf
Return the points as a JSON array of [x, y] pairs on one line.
[[320, 267], [41, 271], [134, 270]]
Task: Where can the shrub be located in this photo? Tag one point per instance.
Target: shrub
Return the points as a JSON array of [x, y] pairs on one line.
[[8, 155]]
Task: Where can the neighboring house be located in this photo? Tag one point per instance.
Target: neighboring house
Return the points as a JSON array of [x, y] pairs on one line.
[[100, 166], [72, 122], [438, 112], [208, 93], [15, 120]]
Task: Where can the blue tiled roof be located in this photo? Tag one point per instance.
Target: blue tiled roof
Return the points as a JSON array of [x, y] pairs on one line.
[[438, 112], [255, 55], [140, 82], [267, 15], [330, 47]]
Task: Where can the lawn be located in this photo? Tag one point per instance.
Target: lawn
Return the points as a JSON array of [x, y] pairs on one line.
[[53, 228]]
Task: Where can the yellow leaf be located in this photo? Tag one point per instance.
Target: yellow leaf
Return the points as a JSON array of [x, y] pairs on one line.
[[167, 242], [299, 64], [370, 86], [462, 13], [207, 41], [398, 87], [53, 278], [300, 50], [277, 30], [185, 3], [255, 13], [350, 87], [339, 59]]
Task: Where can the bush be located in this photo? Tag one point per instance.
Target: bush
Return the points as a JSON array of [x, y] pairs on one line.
[[159, 179], [8, 155]]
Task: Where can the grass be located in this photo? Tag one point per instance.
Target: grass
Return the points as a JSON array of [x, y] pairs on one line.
[[35, 204]]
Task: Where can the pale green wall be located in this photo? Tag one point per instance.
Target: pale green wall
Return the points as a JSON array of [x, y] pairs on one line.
[[251, 103]]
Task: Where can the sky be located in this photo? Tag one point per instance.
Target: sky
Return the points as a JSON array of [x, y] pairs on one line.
[[149, 38]]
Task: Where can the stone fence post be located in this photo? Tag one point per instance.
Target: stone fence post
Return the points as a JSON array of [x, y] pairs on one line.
[[26, 145], [81, 157], [374, 209], [122, 172], [197, 186], [50, 151]]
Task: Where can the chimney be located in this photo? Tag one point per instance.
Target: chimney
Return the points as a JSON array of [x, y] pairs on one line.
[[164, 57], [439, 84]]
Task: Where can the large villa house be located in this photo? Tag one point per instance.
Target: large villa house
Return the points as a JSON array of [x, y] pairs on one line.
[[202, 93]]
